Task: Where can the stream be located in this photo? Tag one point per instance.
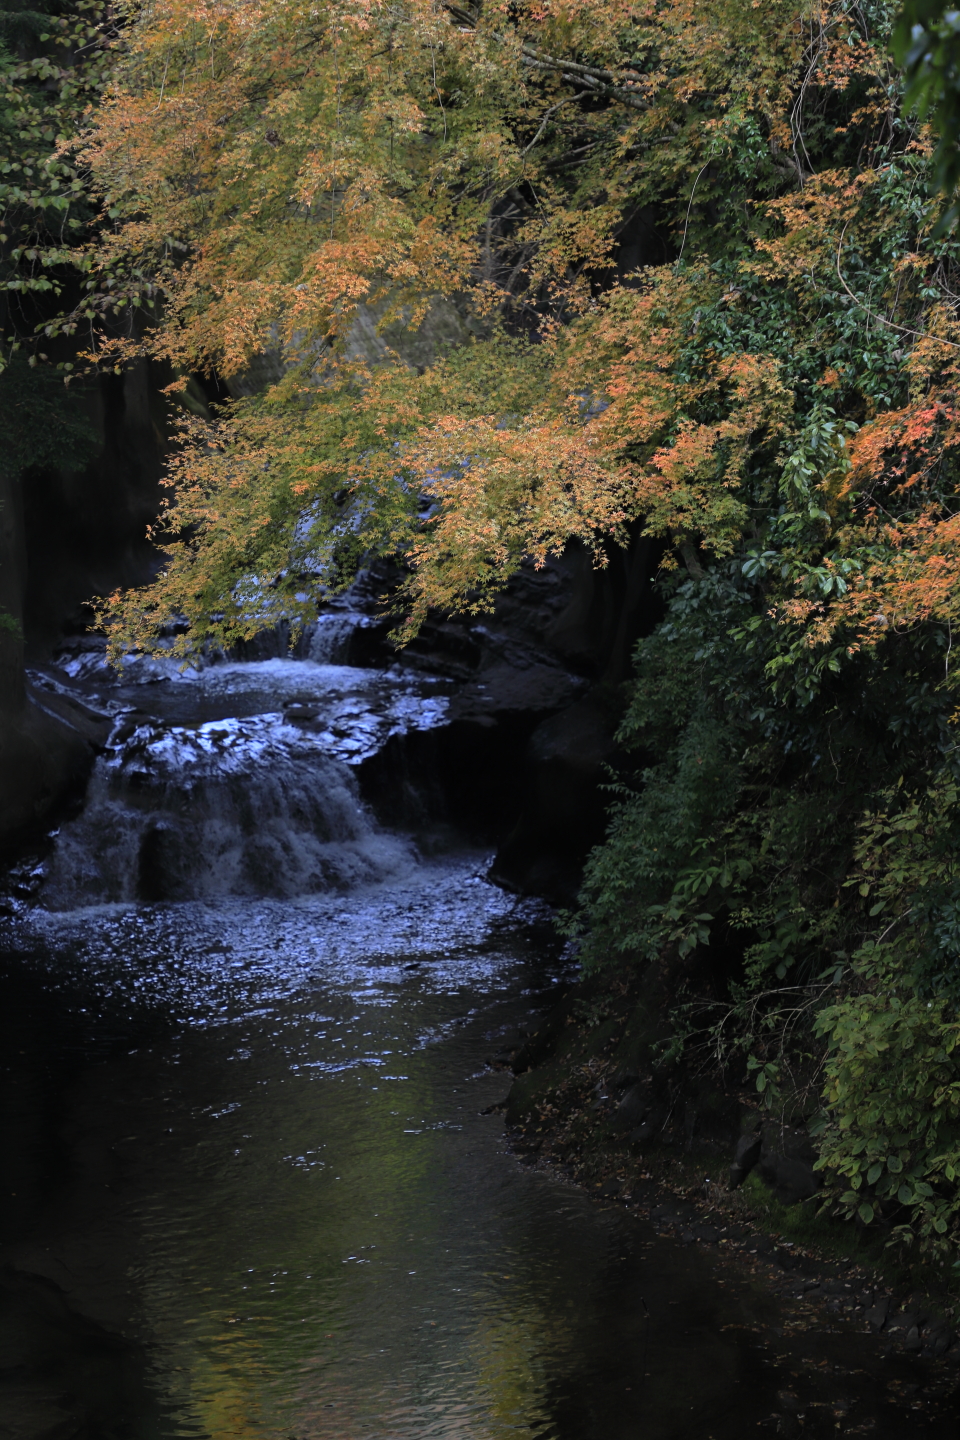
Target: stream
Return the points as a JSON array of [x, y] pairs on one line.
[[245, 1032]]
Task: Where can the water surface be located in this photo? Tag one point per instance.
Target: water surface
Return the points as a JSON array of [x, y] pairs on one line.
[[245, 1033], [275, 1132]]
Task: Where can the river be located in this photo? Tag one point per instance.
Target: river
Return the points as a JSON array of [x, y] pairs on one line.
[[252, 1129]]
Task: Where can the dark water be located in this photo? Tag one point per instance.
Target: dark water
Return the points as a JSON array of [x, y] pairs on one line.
[[248, 1134], [320, 1233]]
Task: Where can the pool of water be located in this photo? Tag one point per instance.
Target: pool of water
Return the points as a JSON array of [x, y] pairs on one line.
[[271, 1141], [255, 1132]]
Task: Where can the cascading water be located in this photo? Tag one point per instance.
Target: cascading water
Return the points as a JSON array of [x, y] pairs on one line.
[[242, 807], [329, 644], [252, 1128], [239, 784]]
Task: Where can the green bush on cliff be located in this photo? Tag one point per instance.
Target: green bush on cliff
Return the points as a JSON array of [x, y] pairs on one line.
[[793, 820]]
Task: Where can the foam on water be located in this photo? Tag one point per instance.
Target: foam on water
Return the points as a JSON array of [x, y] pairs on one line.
[[238, 784], [247, 807]]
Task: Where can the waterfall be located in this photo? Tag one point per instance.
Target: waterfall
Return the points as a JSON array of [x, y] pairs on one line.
[[329, 643], [252, 807]]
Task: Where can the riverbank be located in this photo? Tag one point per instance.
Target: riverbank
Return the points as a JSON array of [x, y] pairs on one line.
[[587, 1102]]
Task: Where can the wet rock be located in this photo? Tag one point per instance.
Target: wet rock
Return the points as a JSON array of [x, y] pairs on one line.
[[877, 1314], [632, 1109], [61, 1374], [44, 761], [707, 1234], [789, 1426], [504, 687], [650, 1131], [913, 1341], [788, 1402], [563, 811], [673, 1213], [74, 710], [938, 1339], [609, 1189], [530, 1090], [790, 1417], [763, 1245], [29, 1413], [546, 1038], [300, 714]]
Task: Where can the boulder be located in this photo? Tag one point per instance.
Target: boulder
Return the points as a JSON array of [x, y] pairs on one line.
[[62, 1376], [938, 1338], [632, 1109], [745, 1158], [563, 811], [791, 1180], [506, 688], [531, 1090], [44, 761]]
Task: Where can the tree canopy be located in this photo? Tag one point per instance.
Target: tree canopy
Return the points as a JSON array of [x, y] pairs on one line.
[[281, 180]]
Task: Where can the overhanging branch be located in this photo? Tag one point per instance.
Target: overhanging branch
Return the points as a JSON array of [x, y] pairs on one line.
[[589, 78]]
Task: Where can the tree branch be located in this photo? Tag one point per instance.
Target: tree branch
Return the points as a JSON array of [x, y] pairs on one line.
[[689, 556], [589, 77]]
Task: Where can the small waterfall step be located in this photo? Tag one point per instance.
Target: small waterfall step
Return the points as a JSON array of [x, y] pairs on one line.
[[257, 804]]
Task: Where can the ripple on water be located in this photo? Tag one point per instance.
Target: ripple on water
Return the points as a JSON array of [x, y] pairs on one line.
[[325, 1238]]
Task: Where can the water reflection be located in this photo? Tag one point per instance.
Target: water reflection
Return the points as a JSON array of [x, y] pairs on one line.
[[325, 1235], [273, 1132]]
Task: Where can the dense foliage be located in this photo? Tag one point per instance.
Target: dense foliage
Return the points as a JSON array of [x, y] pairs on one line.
[[52, 64], [399, 233], [53, 61], [926, 42], [301, 191]]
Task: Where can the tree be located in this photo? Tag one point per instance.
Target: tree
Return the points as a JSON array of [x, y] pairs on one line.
[[926, 42], [52, 64], [273, 173]]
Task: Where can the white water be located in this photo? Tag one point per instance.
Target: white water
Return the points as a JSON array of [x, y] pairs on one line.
[[241, 807], [238, 784], [330, 642]]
